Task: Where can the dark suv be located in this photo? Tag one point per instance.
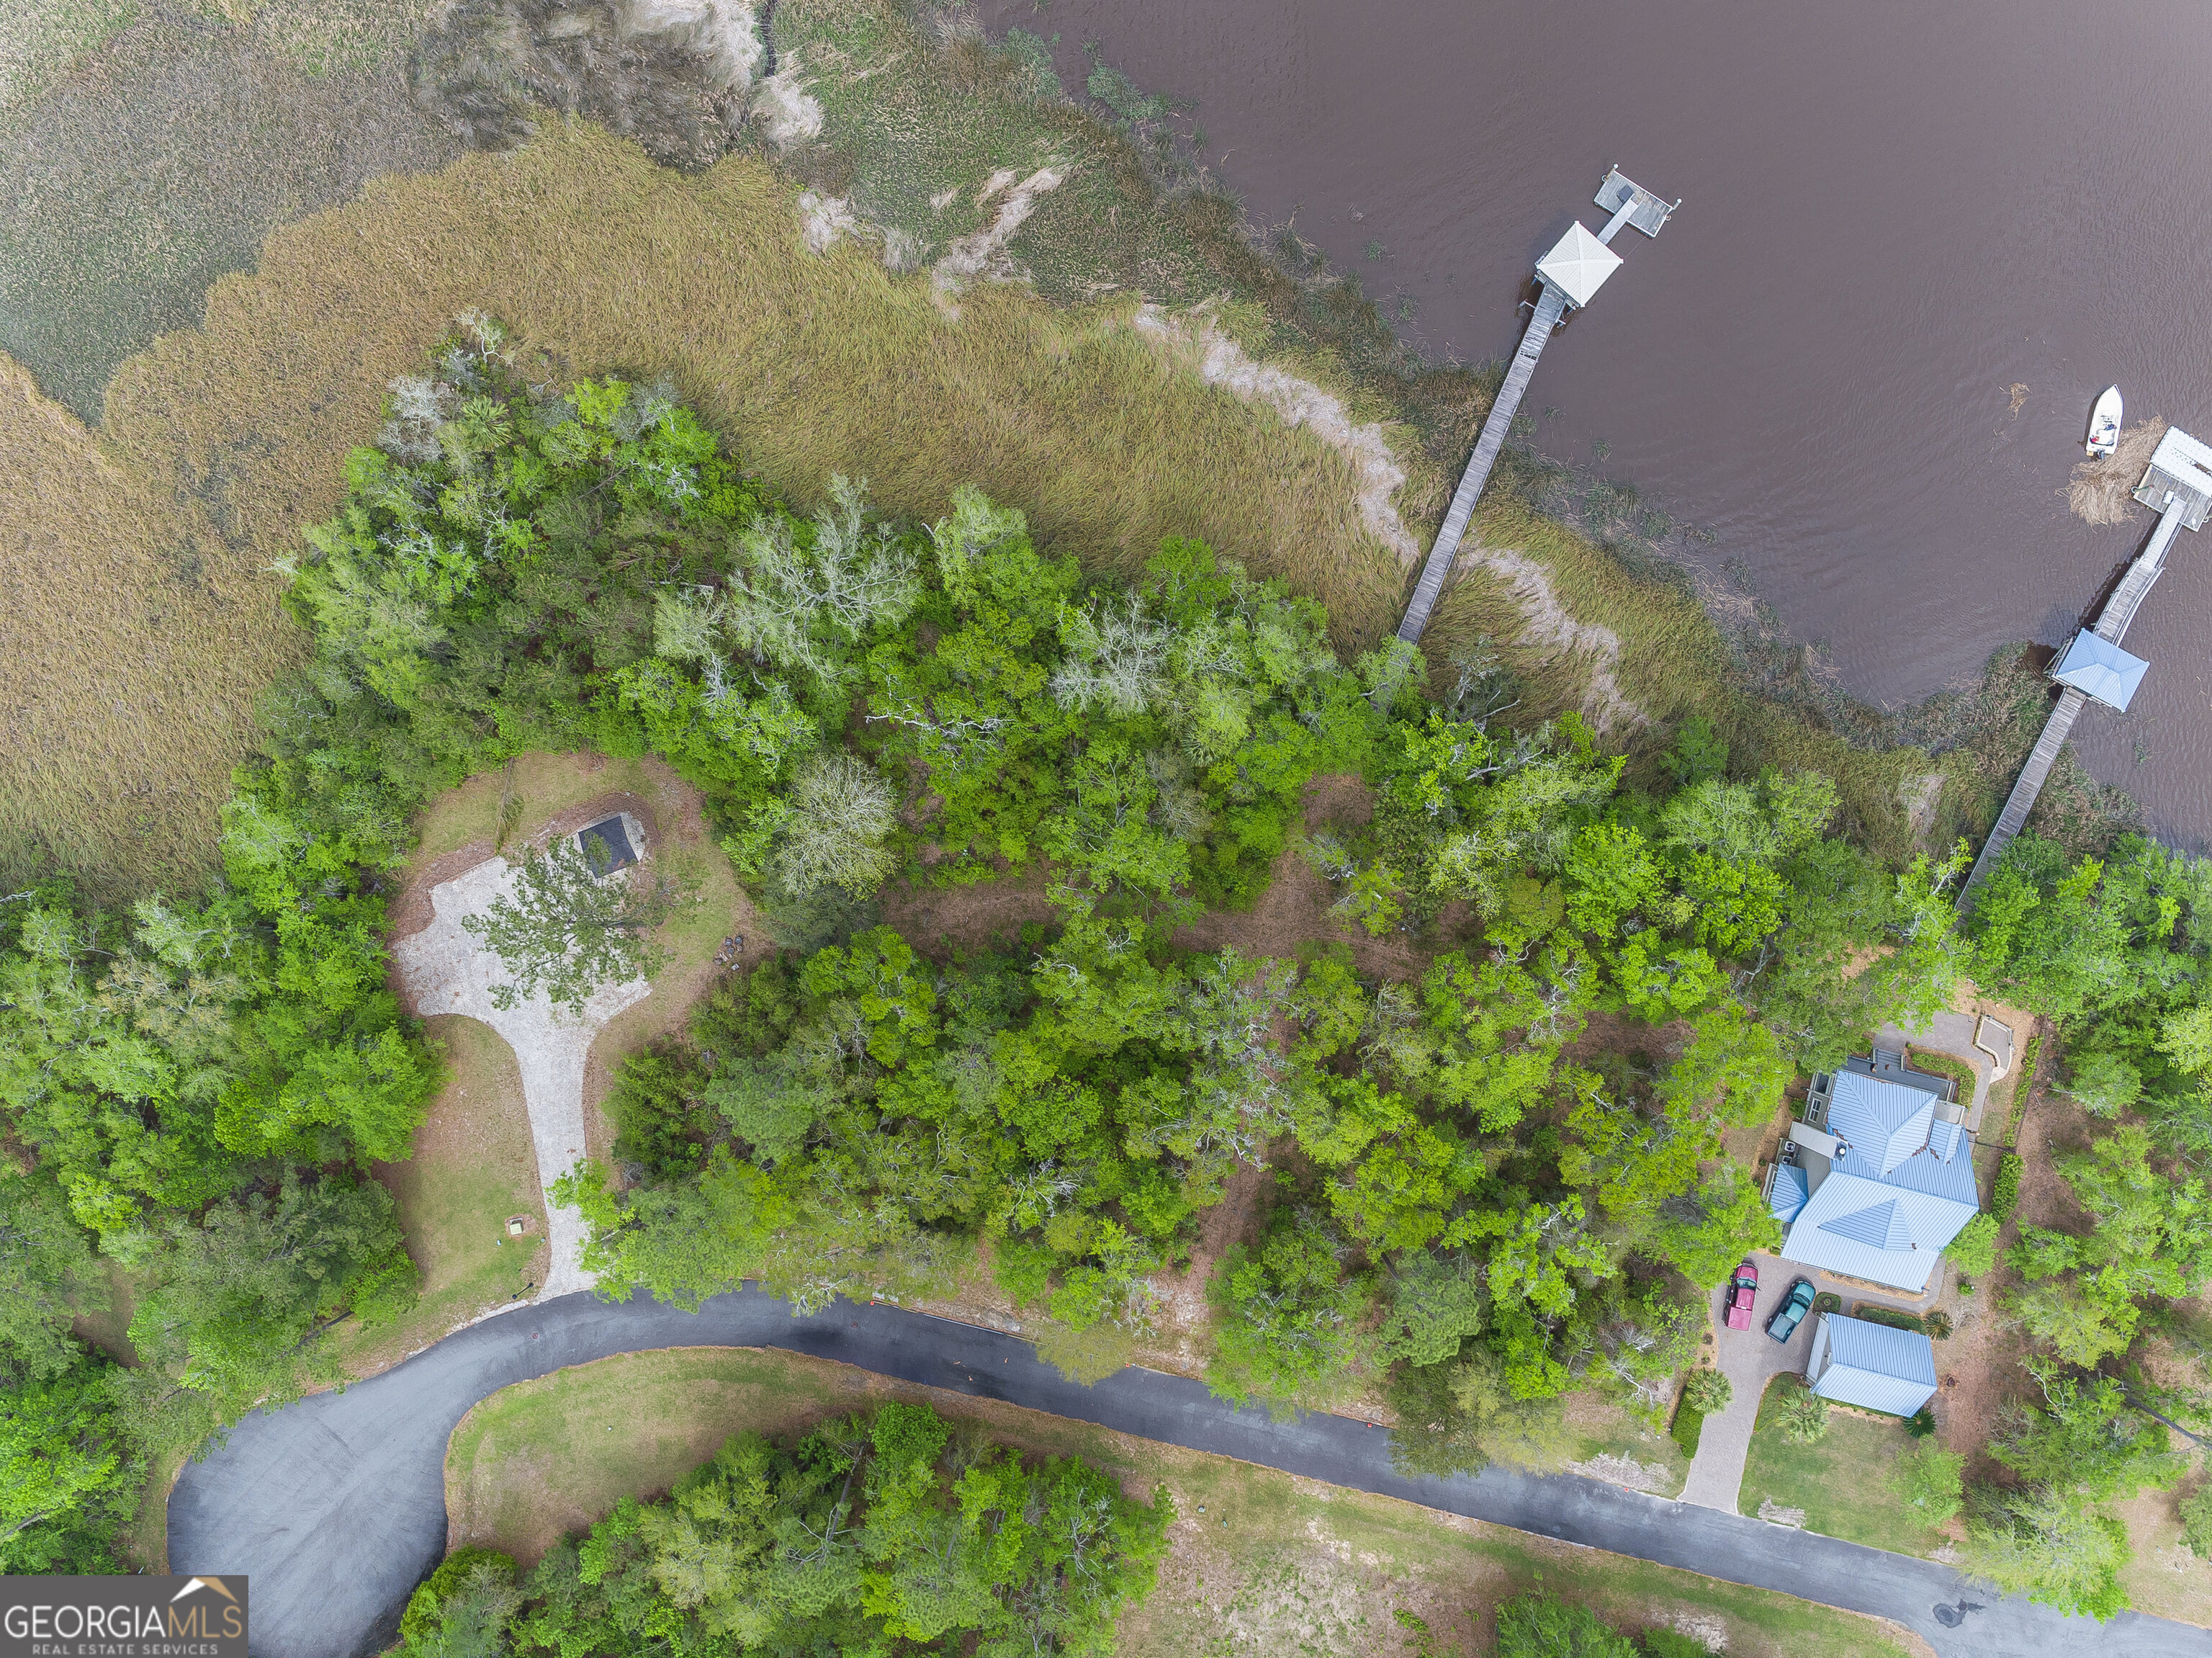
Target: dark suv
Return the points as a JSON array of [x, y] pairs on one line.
[[1788, 1316]]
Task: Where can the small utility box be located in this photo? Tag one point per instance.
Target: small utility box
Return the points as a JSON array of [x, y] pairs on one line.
[[611, 844]]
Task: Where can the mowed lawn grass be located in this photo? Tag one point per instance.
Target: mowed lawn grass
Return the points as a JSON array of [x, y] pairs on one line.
[[1608, 1429], [473, 1166], [544, 1458], [1260, 1562], [474, 1163], [1843, 1480]]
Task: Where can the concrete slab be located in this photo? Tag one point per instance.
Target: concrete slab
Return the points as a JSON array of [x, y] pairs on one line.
[[442, 969], [1995, 1037], [1952, 1033]]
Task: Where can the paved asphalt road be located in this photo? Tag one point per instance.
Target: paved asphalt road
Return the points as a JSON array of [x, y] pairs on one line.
[[335, 1507]]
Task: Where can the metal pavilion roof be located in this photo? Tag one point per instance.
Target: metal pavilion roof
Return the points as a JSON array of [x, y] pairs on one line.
[[1578, 265], [2102, 668]]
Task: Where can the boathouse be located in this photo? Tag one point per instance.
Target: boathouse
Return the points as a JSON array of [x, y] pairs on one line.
[[2100, 670], [1577, 265], [1570, 274]]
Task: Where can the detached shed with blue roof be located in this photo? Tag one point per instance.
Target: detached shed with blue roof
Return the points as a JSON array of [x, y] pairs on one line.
[[1871, 1365], [1883, 1187]]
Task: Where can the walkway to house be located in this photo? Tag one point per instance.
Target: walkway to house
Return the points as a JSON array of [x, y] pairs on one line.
[[2178, 486]]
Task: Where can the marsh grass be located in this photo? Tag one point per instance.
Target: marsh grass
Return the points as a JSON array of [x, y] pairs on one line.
[[901, 143], [171, 150], [140, 619], [2103, 492], [37, 43], [140, 622], [917, 120]]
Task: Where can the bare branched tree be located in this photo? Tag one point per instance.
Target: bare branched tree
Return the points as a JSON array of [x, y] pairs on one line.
[[1117, 658], [842, 815]]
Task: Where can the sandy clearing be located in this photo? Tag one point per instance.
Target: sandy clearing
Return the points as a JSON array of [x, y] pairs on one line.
[[1547, 622]]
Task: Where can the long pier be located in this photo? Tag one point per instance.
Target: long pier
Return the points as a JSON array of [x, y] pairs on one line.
[[1571, 273], [2178, 483], [2032, 775], [1487, 447]]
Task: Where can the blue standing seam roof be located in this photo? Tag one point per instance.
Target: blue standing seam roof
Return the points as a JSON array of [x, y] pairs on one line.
[[1894, 1138], [1881, 1225], [1898, 1189], [1877, 1368], [1789, 1192], [2102, 668]]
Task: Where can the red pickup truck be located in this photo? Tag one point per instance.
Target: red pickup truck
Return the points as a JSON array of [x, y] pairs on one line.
[[1742, 1291]]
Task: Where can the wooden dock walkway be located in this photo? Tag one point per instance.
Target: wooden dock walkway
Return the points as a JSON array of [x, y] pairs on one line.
[[2142, 575], [2111, 626], [1437, 570], [2019, 803]]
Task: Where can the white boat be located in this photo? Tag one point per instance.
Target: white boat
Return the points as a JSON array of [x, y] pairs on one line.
[[2105, 425]]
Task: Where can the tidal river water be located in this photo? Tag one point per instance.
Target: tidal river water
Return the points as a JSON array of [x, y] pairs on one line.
[[1915, 242]]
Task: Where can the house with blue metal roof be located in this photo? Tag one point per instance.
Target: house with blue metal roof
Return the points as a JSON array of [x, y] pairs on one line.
[[1854, 1361], [1878, 1177]]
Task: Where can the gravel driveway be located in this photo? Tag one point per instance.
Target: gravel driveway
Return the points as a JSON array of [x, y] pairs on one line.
[[443, 970]]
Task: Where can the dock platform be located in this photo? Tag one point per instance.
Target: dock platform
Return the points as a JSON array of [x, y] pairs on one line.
[[1571, 273], [1648, 213], [2178, 483]]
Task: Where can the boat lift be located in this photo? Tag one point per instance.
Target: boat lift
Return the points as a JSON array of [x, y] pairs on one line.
[[1571, 273]]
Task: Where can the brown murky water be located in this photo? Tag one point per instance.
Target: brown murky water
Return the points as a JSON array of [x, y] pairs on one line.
[[1894, 215]]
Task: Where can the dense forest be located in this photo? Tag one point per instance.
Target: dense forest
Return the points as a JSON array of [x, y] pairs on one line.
[[1492, 1184], [892, 1533]]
